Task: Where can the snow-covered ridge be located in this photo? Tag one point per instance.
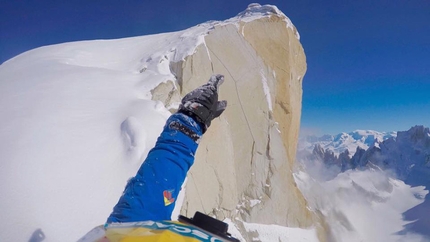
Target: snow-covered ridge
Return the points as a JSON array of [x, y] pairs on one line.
[[145, 55], [131, 54]]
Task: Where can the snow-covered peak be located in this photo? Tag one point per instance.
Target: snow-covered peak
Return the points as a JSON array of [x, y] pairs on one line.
[[367, 137], [346, 141], [256, 11]]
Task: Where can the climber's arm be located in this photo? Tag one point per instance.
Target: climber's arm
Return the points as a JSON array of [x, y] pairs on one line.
[[152, 193]]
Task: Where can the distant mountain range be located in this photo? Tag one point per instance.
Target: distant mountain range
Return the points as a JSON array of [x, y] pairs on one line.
[[345, 141], [405, 154]]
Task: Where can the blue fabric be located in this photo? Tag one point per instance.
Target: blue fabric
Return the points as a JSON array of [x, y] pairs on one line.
[[164, 169]]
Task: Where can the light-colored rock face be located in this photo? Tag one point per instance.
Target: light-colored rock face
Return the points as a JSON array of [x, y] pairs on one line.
[[243, 167]]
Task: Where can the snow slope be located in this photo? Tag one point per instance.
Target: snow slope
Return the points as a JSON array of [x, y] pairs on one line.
[[77, 120], [363, 205], [73, 130]]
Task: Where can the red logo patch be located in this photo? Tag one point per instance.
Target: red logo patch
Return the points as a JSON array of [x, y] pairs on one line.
[[168, 199]]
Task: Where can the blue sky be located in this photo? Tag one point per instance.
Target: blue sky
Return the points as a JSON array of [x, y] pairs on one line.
[[368, 61]]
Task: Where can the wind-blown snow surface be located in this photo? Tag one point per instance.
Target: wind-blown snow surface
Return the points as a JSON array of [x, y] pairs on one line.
[[363, 205], [76, 123], [77, 120]]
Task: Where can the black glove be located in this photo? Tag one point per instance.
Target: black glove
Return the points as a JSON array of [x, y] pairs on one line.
[[202, 103]]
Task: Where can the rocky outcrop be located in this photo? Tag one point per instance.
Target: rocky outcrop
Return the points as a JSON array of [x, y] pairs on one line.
[[244, 163]]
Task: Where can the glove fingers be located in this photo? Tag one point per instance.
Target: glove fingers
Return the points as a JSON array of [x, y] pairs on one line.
[[221, 106], [216, 81], [202, 103]]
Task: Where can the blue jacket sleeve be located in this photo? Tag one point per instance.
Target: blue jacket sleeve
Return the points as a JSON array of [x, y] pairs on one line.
[[152, 193]]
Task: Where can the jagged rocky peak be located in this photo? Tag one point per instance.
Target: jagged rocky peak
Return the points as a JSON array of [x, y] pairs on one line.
[[418, 133], [359, 149], [318, 149]]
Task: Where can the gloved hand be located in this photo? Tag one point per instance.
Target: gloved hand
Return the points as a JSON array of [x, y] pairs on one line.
[[202, 103]]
